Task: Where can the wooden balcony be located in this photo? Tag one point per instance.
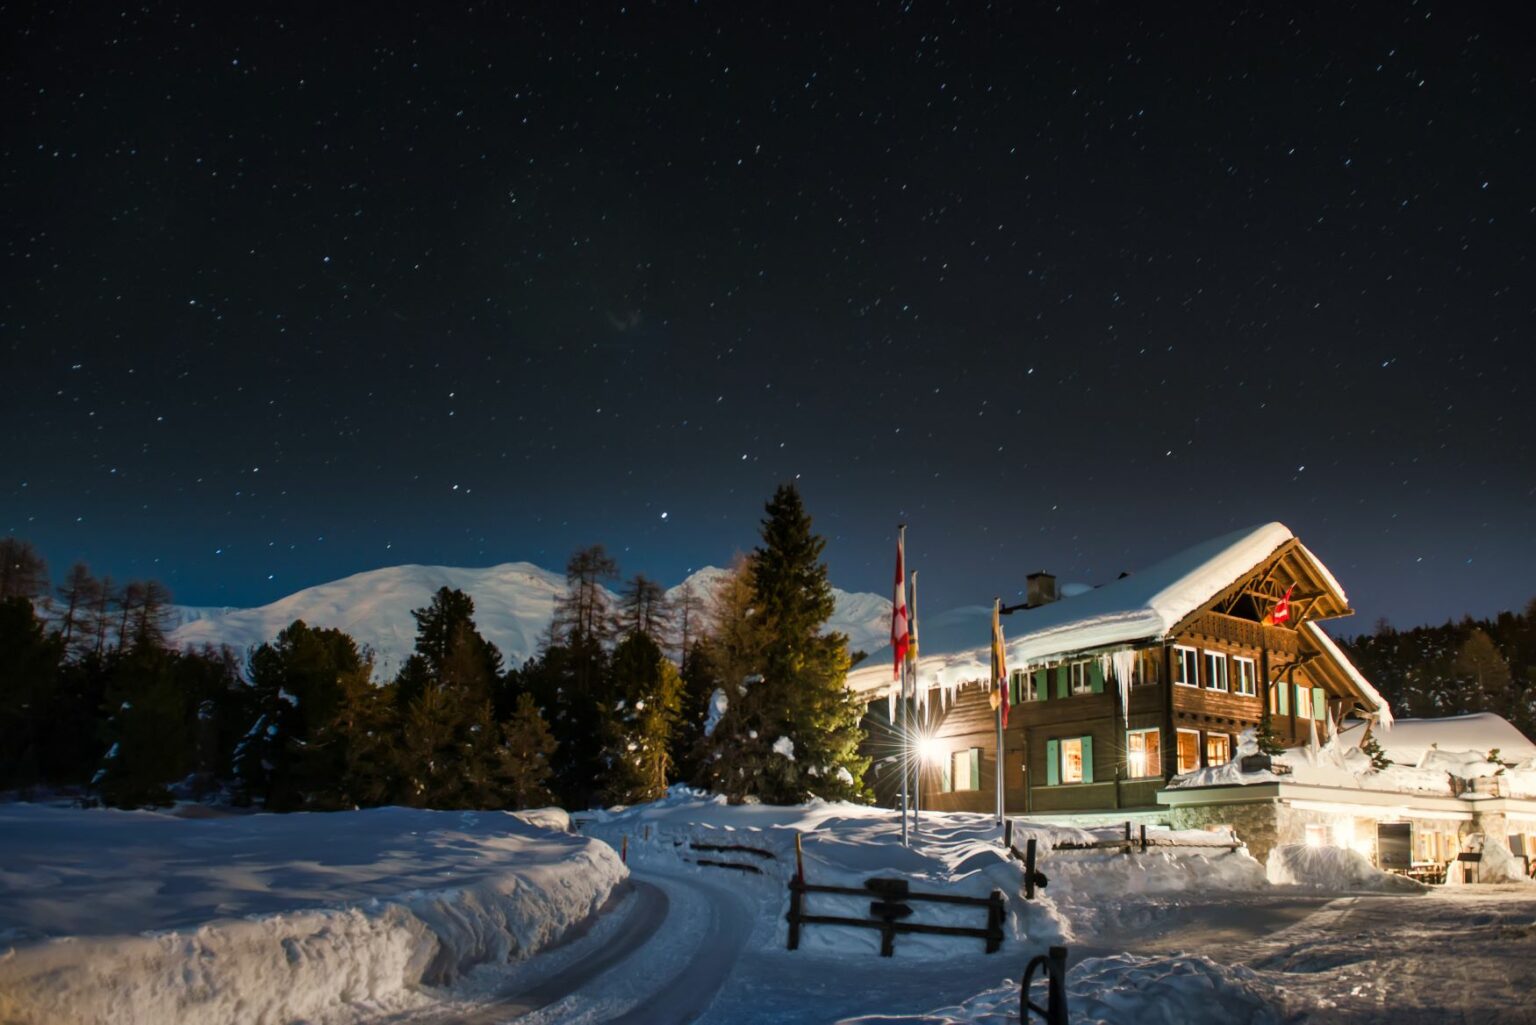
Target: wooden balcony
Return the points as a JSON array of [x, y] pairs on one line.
[[1245, 633]]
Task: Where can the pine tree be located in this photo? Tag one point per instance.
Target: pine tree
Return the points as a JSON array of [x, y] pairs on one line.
[[568, 679], [792, 731], [523, 762], [1265, 738], [30, 664], [637, 733], [1372, 748]]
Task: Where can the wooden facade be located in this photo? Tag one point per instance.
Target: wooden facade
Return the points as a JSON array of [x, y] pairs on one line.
[[1070, 746]]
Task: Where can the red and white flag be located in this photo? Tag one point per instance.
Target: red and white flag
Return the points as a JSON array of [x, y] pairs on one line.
[[901, 634], [1282, 608]]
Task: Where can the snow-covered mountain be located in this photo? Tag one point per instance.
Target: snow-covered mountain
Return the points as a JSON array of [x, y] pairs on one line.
[[514, 603]]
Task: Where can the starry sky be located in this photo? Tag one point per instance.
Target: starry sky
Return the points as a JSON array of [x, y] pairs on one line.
[[294, 292]]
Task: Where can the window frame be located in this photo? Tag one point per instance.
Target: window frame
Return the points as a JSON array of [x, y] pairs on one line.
[[1225, 739], [1061, 772], [1148, 663], [1252, 690], [1178, 665], [1079, 679], [1178, 756], [1303, 696], [1212, 660], [1152, 760], [971, 756]]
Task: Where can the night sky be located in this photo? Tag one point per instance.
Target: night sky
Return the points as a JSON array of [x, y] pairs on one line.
[[295, 293]]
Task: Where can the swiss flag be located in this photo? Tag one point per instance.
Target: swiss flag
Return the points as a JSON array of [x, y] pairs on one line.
[[1282, 608], [901, 635]]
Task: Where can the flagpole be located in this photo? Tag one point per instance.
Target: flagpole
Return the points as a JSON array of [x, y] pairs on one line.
[[901, 708], [996, 607], [917, 763]]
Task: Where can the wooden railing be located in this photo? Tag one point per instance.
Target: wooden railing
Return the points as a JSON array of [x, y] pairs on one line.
[[1246, 632]]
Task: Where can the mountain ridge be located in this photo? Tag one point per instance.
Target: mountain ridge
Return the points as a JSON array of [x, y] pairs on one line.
[[514, 603]]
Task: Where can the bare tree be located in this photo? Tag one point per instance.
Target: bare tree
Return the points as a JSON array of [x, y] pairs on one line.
[[644, 609], [23, 573]]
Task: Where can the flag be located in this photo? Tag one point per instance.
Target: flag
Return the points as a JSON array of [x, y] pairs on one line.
[[999, 663], [912, 623], [900, 634], [1282, 608]]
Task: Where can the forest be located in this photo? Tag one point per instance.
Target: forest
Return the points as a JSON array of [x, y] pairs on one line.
[[740, 691]]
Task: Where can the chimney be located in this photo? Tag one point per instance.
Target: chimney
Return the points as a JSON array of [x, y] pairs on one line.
[[1040, 589]]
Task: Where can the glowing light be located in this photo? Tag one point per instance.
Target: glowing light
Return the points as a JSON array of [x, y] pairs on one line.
[[930, 750]]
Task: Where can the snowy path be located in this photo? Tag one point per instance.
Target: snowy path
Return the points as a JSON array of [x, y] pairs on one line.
[[661, 958]]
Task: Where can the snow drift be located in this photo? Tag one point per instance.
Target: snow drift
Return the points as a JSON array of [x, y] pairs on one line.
[[110, 916], [1333, 868]]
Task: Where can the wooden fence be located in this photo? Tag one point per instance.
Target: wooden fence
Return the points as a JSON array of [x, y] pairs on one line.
[[890, 907]]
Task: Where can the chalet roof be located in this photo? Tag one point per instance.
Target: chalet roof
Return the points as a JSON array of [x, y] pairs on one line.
[[1148, 605], [1347, 676], [1141, 607]]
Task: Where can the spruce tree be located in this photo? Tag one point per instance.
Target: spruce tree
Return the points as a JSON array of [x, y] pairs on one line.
[[23, 573], [793, 731], [523, 762], [646, 694]]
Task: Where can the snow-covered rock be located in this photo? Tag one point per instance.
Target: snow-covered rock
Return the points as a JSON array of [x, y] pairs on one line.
[[118, 917]]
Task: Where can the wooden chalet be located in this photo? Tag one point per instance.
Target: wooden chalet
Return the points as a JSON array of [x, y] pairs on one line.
[[1115, 690]]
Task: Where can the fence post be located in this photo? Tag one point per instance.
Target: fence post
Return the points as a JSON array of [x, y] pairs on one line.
[[1143, 838], [1008, 834], [799, 861], [1054, 964], [1029, 869], [997, 914], [796, 891], [1127, 837], [624, 848]]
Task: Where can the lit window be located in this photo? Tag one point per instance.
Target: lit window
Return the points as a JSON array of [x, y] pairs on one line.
[[1186, 667], [1189, 750], [1215, 670], [1072, 760], [965, 766], [1143, 753], [1218, 749], [1247, 678], [1081, 684]]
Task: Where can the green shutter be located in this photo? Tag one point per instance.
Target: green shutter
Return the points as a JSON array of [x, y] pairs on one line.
[[1285, 698], [1319, 704], [1096, 676], [1063, 682], [1042, 685], [1087, 759], [1299, 690], [1013, 687], [975, 768], [1052, 762]]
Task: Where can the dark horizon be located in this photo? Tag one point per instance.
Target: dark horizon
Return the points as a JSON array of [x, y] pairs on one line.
[[290, 297]]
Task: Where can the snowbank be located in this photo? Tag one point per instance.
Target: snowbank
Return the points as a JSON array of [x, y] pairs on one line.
[[1126, 990], [844, 844], [142, 917], [1176, 862], [1333, 868]]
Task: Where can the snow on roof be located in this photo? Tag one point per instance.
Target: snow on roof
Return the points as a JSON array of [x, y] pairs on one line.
[[1371, 695], [1147, 604], [1480, 732]]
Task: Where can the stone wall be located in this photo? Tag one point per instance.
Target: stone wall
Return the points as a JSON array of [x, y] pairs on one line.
[[1254, 822]]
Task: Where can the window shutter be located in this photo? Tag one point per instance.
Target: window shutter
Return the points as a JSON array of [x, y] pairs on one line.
[[1042, 685], [1014, 679], [1052, 762], [975, 768], [1299, 691], [1319, 704], [1087, 759], [1284, 690], [1063, 681], [1096, 676]]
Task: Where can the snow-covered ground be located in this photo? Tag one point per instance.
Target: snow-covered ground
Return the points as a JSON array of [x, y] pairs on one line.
[[421, 918], [111, 916]]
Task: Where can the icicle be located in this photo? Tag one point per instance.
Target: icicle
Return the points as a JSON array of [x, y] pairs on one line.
[[1312, 749], [890, 705], [1125, 669]]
